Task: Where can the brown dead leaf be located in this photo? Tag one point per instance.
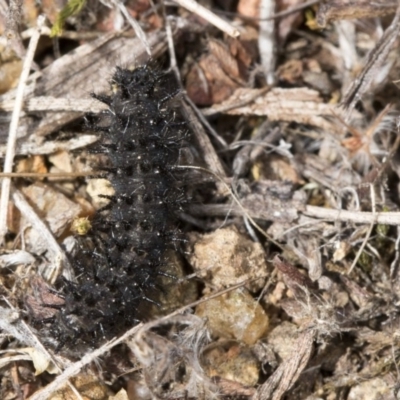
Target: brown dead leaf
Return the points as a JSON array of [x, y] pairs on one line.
[[293, 278], [197, 87], [219, 85], [223, 55], [241, 52], [43, 303], [217, 74], [231, 388]]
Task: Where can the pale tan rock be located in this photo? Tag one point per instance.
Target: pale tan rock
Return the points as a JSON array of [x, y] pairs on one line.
[[373, 389], [283, 338], [226, 257], [235, 315], [98, 188]]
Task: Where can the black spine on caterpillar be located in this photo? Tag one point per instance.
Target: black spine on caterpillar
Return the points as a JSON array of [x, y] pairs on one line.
[[118, 269]]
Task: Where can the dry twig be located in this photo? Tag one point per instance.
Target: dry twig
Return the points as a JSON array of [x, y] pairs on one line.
[[12, 137], [376, 58], [209, 16]]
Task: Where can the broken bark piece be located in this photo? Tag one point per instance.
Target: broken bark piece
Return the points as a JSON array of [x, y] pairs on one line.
[[335, 10]]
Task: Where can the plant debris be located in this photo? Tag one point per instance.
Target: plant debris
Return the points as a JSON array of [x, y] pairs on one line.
[[286, 283]]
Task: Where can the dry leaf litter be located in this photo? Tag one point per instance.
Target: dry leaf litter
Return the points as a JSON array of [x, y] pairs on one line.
[[288, 284]]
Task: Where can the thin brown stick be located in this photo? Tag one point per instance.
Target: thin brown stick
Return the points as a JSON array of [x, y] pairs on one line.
[[49, 103], [12, 136], [376, 58], [357, 217], [323, 213], [44, 174], [134, 24]]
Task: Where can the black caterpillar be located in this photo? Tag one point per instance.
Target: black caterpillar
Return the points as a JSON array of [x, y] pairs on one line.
[[119, 261]]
